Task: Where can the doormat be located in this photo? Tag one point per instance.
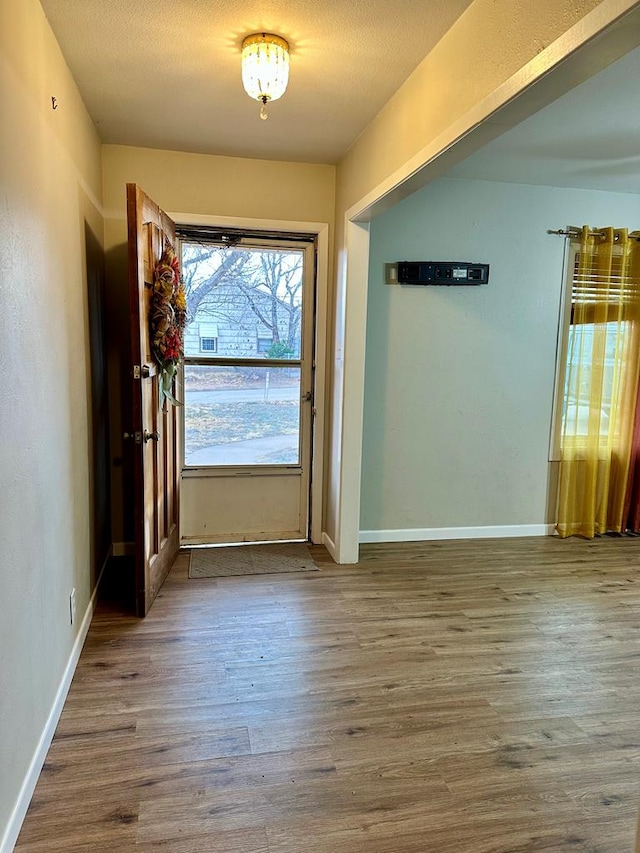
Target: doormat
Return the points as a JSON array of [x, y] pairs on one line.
[[268, 559]]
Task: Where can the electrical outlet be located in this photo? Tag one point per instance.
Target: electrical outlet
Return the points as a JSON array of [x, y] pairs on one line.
[[72, 605]]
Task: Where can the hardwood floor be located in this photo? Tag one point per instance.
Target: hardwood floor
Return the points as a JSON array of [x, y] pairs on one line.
[[447, 697]]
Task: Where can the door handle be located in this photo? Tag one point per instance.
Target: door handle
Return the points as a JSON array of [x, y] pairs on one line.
[[151, 436]]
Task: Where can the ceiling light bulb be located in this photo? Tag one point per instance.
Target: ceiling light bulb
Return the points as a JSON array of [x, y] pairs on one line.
[[265, 68]]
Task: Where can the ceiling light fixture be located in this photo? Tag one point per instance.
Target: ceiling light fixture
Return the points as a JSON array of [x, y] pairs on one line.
[[265, 68]]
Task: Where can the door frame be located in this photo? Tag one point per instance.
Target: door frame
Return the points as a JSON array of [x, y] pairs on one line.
[[321, 230]]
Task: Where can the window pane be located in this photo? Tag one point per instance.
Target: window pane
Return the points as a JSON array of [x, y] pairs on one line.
[[208, 344], [241, 415], [579, 376], [249, 301]]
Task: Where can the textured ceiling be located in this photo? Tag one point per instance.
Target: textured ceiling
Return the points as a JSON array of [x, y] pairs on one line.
[[166, 73], [588, 139]]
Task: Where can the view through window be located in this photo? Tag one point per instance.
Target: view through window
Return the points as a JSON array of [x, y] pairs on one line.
[[579, 374], [242, 354]]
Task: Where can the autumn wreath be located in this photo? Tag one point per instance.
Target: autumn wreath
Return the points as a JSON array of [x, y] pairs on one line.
[[168, 318]]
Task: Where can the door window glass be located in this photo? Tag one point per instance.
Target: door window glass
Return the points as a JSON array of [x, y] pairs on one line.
[[245, 309], [243, 302]]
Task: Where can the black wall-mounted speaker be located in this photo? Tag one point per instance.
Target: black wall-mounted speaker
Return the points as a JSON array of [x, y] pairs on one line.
[[442, 272]]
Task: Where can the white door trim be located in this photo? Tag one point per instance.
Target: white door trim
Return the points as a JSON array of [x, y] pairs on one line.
[[352, 292], [321, 229]]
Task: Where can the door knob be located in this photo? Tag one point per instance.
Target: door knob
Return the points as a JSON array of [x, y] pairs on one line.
[[151, 436]]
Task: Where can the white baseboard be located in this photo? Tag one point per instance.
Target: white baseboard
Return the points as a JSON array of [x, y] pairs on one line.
[[330, 545], [8, 841], [124, 549], [431, 533]]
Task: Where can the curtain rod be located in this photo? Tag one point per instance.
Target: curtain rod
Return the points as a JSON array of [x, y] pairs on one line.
[[573, 232], [577, 232]]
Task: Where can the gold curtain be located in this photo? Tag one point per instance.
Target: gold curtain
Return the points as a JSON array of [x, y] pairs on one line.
[[601, 384]]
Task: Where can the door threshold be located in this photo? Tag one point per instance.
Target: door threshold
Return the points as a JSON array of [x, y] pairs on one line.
[[187, 547]]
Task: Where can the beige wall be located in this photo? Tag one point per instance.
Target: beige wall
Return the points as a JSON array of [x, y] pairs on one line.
[[186, 185], [51, 188], [219, 186]]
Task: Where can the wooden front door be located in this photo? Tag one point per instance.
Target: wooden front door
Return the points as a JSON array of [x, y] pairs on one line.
[[155, 421]]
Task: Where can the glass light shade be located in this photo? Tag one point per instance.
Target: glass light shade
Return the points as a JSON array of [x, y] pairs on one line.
[[265, 66]]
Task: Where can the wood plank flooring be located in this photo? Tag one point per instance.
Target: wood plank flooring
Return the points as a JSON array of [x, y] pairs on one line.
[[447, 697]]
